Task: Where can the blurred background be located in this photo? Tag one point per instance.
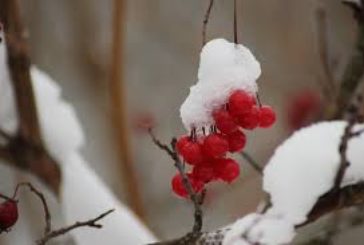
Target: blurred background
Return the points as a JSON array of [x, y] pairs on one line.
[[72, 40]]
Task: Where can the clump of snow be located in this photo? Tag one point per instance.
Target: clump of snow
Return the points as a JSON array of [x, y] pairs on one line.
[[301, 170], [84, 195], [8, 121], [260, 228], [64, 137], [304, 167], [224, 67]]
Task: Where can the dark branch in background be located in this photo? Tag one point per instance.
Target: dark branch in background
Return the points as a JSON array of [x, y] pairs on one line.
[[49, 234], [235, 23], [206, 21], [327, 83], [194, 197], [25, 149], [355, 67], [252, 162]]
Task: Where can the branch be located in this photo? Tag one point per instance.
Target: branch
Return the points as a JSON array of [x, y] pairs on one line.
[[206, 21], [354, 69], [252, 162], [88, 223], [194, 197], [26, 149], [235, 23], [47, 214]]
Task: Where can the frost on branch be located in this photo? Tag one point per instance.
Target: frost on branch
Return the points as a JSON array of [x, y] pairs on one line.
[[224, 68], [301, 170]]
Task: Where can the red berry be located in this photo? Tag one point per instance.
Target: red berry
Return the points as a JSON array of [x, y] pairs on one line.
[[179, 188], [215, 145], [191, 152], [240, 102], [303, 108], [249, 120], [227, 169], [181, 142], [237, 141], [224, 121], [267, 116], [204, 173], [8, 214]]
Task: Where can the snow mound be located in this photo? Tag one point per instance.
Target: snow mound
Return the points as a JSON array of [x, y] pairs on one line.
[[304, 167], [224, 67], [301, 170], [262, 229]]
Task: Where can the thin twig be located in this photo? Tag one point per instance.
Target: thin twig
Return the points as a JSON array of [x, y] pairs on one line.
[[252, 162], [235, 23], [194, 197], [47, 214], [88, 223], [206, 21]]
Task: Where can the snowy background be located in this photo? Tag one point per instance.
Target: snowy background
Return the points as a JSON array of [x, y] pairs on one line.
[[70, 40]]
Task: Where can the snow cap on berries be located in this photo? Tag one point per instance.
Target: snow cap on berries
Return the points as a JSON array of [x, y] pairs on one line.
[[224, 68]]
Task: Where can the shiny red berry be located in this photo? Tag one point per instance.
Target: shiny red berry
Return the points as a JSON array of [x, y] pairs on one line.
[[237, 141], [215, 145], [8, 214], [240, 102], [179, 189], [181, 142], [267, 117], [224, 121], [191, 152], [227, 169], [249, 120], [203, 172]]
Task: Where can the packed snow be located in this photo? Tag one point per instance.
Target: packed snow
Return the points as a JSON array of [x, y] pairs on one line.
[[224, 67], [84, 195], [301, 170]]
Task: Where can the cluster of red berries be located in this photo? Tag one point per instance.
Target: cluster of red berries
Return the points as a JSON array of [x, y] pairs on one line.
[[207, 153], [8, 214]]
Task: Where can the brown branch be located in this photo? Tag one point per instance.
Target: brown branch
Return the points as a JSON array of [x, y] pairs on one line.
[[47, 214], [196, 199], [206, 21], [88, 223], [26, 149], [118, 107]]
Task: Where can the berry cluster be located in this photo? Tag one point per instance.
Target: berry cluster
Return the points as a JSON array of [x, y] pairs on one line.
[[207, 154], [8, 214]]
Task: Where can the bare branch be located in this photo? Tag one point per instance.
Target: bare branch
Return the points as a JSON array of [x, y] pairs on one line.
[[47, 214], [206, 21], [194, 197], [252, 162], [235, 23], [88, 223]]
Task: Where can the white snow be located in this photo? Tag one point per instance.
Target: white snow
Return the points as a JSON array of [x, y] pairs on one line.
[[301, 170], [224, 67], [258, 228], [84, 195]]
